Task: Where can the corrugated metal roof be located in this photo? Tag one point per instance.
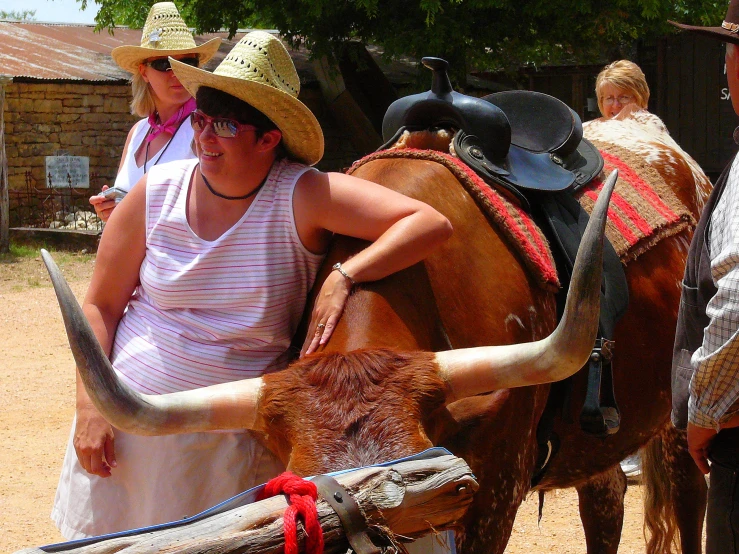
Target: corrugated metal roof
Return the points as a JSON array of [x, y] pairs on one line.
[[69, 52]]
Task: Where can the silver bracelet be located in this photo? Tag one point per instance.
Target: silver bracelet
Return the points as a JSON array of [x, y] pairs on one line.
[[337, 267]]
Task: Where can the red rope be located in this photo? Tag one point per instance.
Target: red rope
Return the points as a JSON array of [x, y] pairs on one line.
[[302, 495]]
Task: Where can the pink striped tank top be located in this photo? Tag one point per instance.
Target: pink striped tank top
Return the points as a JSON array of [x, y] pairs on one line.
[[209, 312]]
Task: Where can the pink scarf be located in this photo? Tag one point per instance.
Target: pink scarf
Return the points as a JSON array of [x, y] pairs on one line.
[[172, 124]]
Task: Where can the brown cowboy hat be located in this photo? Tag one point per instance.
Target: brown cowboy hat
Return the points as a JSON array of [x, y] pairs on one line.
[[729, 30]]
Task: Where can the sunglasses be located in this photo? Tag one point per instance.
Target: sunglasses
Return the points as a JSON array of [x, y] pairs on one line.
[[162, 64], [222, 126]]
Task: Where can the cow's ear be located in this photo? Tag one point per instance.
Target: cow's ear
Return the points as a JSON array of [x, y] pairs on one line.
[[451, 426]]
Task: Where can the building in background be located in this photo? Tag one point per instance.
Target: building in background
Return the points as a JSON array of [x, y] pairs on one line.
[[61, 93], [687, 80]]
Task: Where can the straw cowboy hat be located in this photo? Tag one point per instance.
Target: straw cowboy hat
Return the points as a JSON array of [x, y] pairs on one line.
[[164, 34], [729, 30], [259, 71]]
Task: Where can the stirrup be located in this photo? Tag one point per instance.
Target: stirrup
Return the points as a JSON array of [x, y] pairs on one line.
[[600, 415], [604, 421]]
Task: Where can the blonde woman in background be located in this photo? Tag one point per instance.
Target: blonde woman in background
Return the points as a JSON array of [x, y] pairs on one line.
[[621, 89], [164, 134]]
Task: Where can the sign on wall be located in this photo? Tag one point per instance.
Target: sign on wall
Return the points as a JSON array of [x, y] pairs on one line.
[[66, 171]]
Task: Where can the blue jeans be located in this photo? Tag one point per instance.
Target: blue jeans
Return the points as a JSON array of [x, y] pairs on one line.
[[722, 514]]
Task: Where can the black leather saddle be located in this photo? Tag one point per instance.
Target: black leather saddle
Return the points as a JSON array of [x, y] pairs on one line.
[[543, 124], [484, 135]]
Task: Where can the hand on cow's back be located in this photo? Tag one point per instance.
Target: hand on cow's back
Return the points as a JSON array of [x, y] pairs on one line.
[[327, 311], [94, 441]]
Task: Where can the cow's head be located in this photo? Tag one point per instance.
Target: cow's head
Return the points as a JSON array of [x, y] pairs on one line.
[[331, 411]]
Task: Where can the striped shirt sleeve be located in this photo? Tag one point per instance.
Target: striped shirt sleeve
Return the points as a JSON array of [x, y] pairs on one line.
[[714, 388]]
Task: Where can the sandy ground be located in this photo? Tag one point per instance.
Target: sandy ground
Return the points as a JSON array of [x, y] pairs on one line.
[[36, 408]]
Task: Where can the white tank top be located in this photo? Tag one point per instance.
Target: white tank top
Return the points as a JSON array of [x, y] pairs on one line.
[[179, 147], [209, 312]]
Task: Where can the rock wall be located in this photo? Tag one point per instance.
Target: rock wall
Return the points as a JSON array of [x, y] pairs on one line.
[[94, 119], [83, 119]]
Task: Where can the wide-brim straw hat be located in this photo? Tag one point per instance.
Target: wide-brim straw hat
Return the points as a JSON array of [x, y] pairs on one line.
[[260, 71], [729, 30], [164, 34]]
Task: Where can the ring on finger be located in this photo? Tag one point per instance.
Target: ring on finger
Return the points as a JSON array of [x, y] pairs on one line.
[[320, 327]]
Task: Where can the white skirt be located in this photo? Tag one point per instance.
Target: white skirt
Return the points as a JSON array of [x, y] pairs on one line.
[[158, 479]]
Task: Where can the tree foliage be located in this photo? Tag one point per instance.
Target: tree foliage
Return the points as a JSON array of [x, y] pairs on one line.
[[14, 15], [484, 34]]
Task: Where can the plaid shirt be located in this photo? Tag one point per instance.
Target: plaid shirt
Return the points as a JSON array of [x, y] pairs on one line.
[[714, 389]]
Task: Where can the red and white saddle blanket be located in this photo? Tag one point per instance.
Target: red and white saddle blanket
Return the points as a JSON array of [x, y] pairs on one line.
[[643, 211]]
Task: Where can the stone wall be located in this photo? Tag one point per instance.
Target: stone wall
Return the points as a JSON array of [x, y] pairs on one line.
[[93, 120], [83, 119]]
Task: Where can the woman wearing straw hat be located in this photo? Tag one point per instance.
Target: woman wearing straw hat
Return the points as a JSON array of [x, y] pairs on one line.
[[202, 279], [158, 97]]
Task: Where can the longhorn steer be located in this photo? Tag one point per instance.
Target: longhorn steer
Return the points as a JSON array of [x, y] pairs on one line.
[[336, 410]]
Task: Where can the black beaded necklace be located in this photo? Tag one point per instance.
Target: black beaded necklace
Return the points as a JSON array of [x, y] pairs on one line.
[[226, 197]]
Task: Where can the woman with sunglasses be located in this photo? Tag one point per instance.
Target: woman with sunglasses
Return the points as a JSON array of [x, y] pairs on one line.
[[158, 97], [202, 278]]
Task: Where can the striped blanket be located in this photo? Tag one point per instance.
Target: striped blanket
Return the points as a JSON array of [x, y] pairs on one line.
[[643, 209]]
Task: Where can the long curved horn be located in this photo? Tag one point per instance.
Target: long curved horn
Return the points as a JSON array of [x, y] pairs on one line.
[[472, 371], [226, 406]]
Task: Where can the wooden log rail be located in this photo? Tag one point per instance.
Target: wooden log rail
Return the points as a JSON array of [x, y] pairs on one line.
[[405, 500]]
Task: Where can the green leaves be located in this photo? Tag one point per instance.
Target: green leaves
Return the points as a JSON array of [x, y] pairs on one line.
[[23, 15], [488, 35]]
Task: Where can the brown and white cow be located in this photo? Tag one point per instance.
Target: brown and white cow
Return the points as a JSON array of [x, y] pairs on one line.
[[478, 289], [474, 291]]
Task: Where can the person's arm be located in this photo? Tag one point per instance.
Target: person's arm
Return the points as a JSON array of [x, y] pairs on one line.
[[103, 207], [402, 232], [714, 388], [116, 275]]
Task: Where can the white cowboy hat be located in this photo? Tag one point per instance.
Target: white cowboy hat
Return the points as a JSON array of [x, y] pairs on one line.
[[164, 34], [260, 71]]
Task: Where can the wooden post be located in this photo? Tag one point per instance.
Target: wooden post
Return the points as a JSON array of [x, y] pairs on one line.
[[348, 114], [4, 201], [579, 94], [408, 499]]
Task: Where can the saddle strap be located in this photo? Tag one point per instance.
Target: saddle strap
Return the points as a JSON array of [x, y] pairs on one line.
[[352, 520], [469, 149], [600, 415]]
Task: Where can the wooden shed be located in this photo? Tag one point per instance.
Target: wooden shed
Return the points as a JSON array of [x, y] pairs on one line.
[[693, 99]]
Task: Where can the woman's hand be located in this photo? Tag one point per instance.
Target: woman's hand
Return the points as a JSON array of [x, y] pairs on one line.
[[103, 207], [327, 311], [626, 111], [94, 442]]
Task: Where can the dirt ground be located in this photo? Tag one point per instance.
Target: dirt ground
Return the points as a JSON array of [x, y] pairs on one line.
[[36, 408]]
